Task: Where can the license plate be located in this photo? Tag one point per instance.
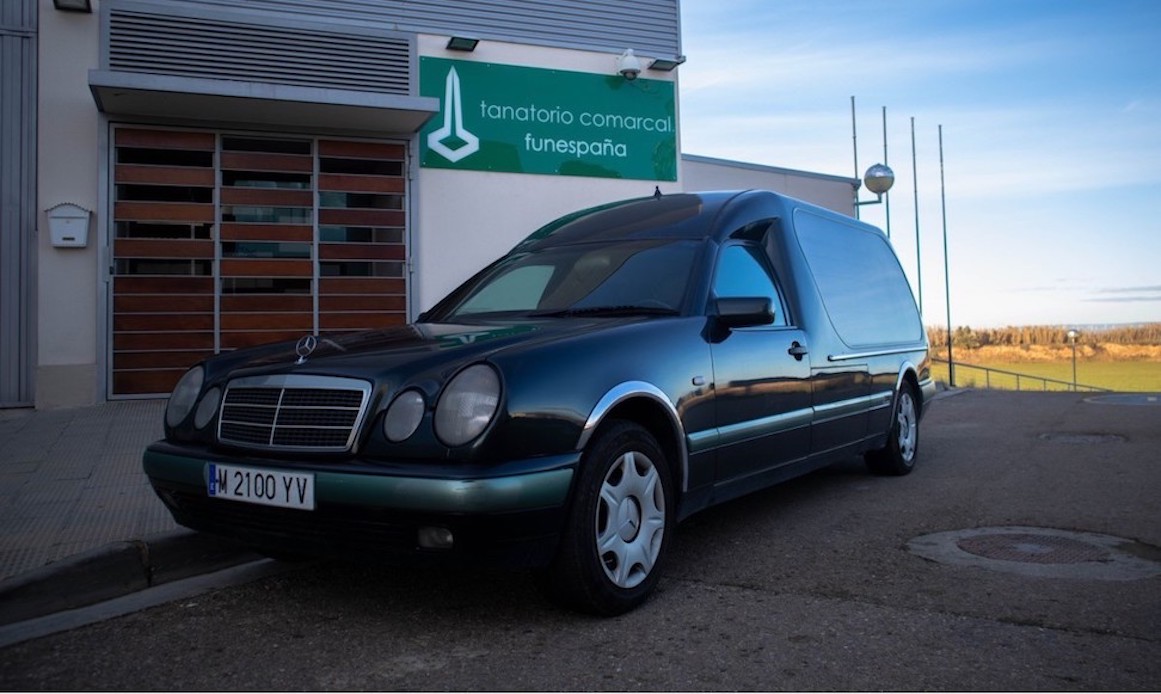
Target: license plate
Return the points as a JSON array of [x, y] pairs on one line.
[[257, 486]]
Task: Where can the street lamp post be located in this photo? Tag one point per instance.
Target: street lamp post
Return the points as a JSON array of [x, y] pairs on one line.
[[1072, 334], [879, 177]]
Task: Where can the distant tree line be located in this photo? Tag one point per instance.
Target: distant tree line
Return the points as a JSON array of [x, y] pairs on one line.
[[967, 338]]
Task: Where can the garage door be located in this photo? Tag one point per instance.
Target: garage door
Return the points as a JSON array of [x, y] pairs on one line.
[[225, 240]]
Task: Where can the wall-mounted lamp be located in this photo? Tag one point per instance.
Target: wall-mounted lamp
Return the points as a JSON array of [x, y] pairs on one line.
[[879, 179], [628, 65], [73, 5], [666, 64], [459, 43]]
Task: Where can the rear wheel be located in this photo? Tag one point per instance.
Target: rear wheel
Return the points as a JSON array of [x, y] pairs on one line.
[[898, 457], [617, 531]]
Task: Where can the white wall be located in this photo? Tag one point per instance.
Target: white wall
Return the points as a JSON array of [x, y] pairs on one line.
[[67, 165], [832, 192], [463, 220]]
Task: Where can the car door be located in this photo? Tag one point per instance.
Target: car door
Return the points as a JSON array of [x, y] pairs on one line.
[[761, 378]]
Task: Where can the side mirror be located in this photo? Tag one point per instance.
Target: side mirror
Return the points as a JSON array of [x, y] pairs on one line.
[[744, 312]]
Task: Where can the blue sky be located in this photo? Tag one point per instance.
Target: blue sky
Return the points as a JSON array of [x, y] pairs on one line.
[[1051, 115]]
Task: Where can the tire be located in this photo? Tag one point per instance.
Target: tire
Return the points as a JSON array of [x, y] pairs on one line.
[[899, 456], [618, 527]]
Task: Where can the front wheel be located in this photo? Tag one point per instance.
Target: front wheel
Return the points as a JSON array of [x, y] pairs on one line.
[[617, 530], [899, 455]]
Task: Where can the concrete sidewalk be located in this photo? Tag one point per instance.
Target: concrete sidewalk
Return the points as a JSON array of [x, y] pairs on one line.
[[80, 521]]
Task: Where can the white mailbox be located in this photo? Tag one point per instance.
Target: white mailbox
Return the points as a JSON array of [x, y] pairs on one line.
[[68, 225]]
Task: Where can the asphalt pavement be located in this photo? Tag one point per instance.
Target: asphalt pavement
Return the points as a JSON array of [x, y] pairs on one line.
[[1024, 552]]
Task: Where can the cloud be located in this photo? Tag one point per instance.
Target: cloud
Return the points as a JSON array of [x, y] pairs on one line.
[[1116, 290], [1126, 299]]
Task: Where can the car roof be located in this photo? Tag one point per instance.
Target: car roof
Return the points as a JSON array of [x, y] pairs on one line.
[[674, 216]]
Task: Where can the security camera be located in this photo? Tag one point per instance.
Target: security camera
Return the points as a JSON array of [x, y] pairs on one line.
[[628, 65]]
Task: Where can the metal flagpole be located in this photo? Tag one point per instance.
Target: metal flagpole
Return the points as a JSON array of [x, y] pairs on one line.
[[886, 196], [946, 276], [855, 145], [915, 178]]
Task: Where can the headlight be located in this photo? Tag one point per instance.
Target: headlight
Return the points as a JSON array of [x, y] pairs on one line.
[[467, 405], [207, 407], [403, 416], [185, 394]]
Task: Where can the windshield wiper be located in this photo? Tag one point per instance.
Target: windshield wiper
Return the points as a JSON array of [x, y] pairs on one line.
[[624, 310]]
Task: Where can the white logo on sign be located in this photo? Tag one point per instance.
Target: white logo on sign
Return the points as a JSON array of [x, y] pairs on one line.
[[453, 123]]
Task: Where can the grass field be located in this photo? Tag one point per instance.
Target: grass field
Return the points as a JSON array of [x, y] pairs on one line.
[[1122, 376]]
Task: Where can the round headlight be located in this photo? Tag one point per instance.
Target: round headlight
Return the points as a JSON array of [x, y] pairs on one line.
[[184, 395], [207, 407], [403, 416], [467, 405]]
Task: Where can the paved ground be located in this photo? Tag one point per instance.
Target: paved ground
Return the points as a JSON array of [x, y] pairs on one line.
[[813, 585], [71, 481]]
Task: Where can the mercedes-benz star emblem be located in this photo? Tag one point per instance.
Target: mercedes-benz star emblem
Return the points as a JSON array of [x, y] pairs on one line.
[[305, 347]]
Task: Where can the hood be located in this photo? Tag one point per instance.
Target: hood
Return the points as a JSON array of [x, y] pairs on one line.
[[417, 347]]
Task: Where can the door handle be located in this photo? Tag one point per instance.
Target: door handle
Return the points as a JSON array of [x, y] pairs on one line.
[[797, 350]]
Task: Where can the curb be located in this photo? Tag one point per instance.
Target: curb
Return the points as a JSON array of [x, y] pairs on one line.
[[116, 569]]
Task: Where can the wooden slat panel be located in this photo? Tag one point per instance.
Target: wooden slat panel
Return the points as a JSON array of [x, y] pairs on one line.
[[164, 285], [146, 382], [164, 139], [361, 217], [162, 248], [162, 341], [361, 251], [359, 321], [352, 183], [267, 302], [153, 322], [148, 303], [234, 340], [353, 149], [361, 285], [251, 161], [232, 267], [368, 218], [232, 231], [167, 175], [163, 324], [267, 321], [163, 212], [349, 302], [267, 196], [158, 360]]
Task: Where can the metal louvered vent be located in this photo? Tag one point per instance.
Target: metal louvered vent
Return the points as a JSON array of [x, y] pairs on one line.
[[293, 412], [230, 49]]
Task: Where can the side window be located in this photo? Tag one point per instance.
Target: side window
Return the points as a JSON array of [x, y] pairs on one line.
[[742, 273], [860, 280]]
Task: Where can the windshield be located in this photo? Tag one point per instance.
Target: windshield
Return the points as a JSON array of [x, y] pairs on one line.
[[632, 277]]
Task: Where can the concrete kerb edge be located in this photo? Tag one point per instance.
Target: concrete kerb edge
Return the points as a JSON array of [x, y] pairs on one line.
[[114, 570]]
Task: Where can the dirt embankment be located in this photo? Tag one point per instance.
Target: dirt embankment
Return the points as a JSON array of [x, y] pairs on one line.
[[1052, 353]]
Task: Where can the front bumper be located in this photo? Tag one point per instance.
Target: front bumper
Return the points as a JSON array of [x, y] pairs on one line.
[[509, 520]]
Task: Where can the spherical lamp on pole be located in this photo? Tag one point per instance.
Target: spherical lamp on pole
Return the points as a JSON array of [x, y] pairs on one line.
[[878, 179]]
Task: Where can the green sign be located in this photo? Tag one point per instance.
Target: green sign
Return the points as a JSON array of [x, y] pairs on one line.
[[528, 120]]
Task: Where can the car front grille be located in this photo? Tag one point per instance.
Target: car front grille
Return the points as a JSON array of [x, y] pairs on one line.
[[293, 412]]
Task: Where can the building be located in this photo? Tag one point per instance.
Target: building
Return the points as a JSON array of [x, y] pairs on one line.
[[182, 177]]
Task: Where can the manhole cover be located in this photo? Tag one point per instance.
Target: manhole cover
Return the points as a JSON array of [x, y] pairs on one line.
[[1033, 548], [1083, 439], [1139, 399], [1042, 552]]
